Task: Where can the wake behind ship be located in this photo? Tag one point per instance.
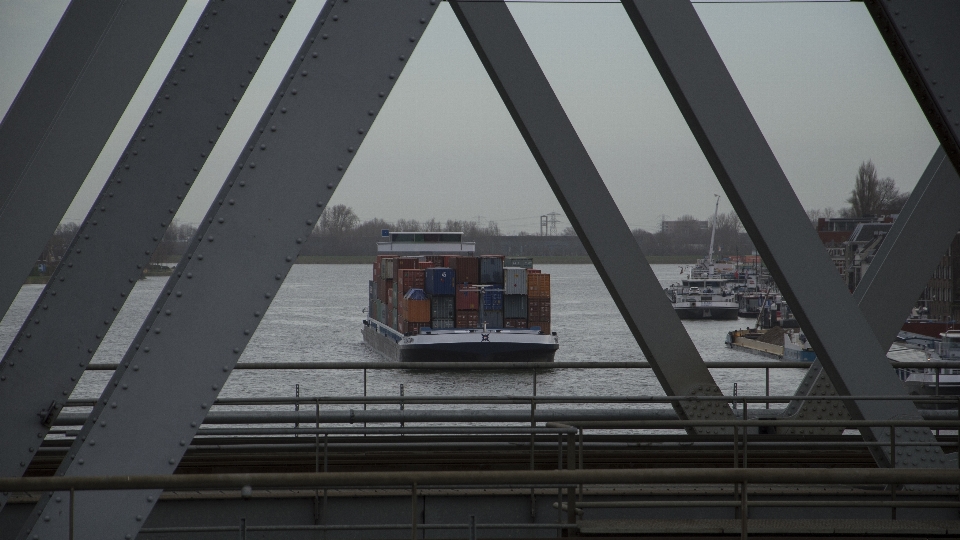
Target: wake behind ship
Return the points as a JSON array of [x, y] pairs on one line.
[[432, 300]]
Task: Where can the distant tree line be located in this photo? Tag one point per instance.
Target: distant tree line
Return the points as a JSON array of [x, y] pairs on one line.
[[340, 231]]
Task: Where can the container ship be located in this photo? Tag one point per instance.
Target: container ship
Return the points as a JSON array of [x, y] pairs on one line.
[[432, 299]]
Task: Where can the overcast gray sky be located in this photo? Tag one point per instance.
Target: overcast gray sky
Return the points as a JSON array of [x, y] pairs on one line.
[[817, 76]]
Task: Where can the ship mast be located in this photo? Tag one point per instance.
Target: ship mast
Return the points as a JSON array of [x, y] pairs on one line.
[[713, 234]]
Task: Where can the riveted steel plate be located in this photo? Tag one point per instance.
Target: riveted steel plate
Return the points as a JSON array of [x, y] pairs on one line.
[[580, 190], [759, 191], [924, 39], [243, 251], [128, 219], [63, 116]]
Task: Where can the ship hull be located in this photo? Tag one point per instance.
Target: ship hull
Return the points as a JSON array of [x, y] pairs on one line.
[[462, 345], [707, 312]]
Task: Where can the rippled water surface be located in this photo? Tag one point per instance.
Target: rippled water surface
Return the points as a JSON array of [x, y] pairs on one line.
[[317, 316]]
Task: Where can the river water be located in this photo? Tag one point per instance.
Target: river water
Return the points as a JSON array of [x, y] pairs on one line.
[[317, 314]]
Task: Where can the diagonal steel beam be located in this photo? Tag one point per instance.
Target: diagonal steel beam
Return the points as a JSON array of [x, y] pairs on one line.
[[906, 260], [759, 191], [246, 245], [127, 221], [911, 251], [923, 38], [592, 212], [64, 114]]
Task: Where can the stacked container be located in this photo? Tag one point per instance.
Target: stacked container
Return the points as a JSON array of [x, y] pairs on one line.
[[444, 291], [538, 304], [439, 285]]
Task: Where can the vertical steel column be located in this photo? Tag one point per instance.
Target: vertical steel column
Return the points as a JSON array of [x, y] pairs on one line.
[[63, 116], [246, 245], [76, 309], [587, 203], [923, 38], [759, 191]]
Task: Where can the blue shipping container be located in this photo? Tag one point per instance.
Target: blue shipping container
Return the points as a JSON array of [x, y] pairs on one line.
[[493, 299], [491, 270], [440, 281]]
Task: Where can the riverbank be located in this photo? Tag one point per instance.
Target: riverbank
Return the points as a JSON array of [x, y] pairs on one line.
[[364, 259]]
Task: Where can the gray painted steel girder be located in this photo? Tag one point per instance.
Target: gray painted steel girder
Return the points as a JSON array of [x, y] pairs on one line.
[[554, 143], [923, 38], [912, 249], [759, 191], [63, 116], [152, 408], [906, 260], [128, 219]]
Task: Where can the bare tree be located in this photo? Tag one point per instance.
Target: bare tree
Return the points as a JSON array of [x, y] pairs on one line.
[[872, 196], [338, 220]]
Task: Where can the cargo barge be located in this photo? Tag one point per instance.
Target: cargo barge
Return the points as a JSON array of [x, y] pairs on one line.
[[432, 299]]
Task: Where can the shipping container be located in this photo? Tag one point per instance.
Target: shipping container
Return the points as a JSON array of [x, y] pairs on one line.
[[434, 260], [467, 300], [538, 286], [423, 265], [494, 319], [538, 310], [407, 263], [411, 279], [442, 307], [467, 319], [440, 324], [522, 262], [468, 269], [491, 269], [515, 306], [417, 311], [514, 323], [492, 299], [514, 280], [413, 328], [387, 271], [450, 261], [439, 281]]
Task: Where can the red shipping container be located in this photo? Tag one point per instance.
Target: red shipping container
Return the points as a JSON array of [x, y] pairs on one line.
[[532, 271], [468, 269], [423, 265], [467, 300], [467, 319], [435, 260], [411, 279], [412, 328], [450, 261], [406, 263], [533, 309], [514, 323]]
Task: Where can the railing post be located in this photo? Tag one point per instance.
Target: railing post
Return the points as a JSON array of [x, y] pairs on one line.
[[571, 490], [473, 527], [768, 386], [744, 510], [893, 465], [413, 512], [243, 528], [72, 497]]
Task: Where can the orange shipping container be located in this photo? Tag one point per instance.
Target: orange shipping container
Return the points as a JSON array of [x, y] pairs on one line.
[[416, 311], [538, 286]]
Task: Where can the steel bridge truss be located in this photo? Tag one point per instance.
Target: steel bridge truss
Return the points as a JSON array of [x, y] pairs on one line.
[[291, 166]]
